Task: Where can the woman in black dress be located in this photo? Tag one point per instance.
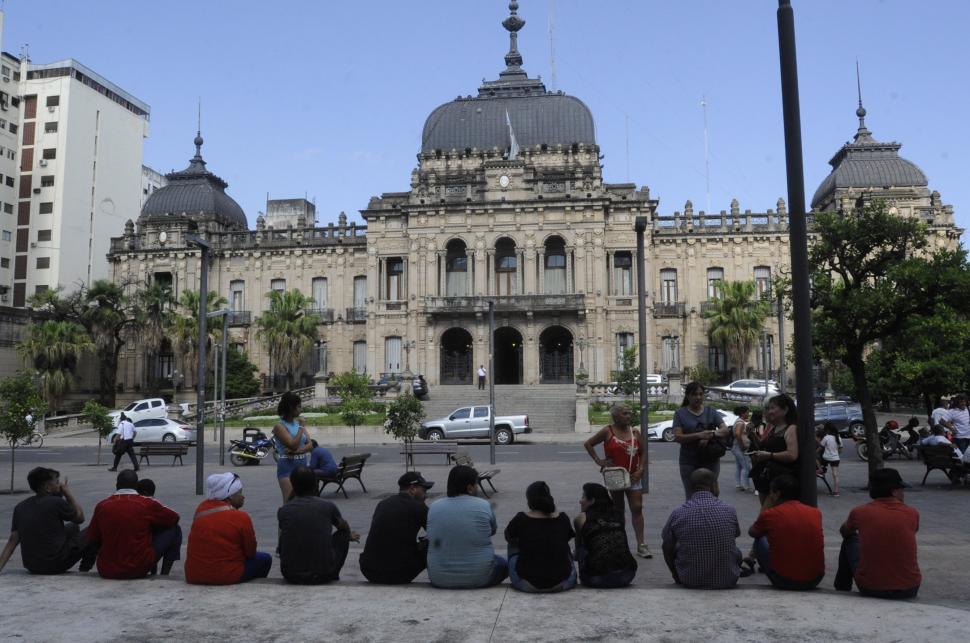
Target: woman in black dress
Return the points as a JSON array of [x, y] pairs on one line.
[[602, 550], [539, 556], [777, 452]]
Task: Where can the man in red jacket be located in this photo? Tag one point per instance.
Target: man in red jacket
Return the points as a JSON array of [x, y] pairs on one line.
[[134, 532]]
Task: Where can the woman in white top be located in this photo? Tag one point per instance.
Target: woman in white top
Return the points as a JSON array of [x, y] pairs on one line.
[[831, 445]]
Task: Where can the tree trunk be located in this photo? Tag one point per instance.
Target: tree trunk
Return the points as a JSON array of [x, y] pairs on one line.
[[857, 367], [13, 451], [109, 375], [100, 440]]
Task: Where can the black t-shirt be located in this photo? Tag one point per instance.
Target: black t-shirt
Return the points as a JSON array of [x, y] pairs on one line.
[[392, 540], [544, 558], [690, 423], [306, 527], [39, 523]]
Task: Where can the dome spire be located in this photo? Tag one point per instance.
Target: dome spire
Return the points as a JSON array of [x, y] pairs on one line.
[[863, 133], [513, 59], [198, 135]]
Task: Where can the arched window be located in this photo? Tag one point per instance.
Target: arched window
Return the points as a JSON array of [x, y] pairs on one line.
[[506, 268], [456, 269], [554, 278]]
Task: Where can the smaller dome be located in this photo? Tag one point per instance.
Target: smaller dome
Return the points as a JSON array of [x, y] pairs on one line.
[[198, 193]]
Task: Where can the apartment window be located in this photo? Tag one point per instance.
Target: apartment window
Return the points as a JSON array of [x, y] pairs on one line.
[[38, 290], [50, 153], [715, 278], [766, 344], [4, 262], [318, 288], [13, 128], [53, 101], [5, 70], [15, 101], [668, 286], [43, 235], [8, 180], [47, 181], [6, 235], [360, 357], [622, 273], [762, 281], [716, 360], [43, 263], [623, 342], [237, 295], [50, 127], [46, 207], [279, 285], [8, 208], [670, 354], [395, 276], [11, 155]]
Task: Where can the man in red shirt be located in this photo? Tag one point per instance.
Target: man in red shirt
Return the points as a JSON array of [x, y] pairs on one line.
[[788, 540], [134, 532], [222, 543], [879, 546]]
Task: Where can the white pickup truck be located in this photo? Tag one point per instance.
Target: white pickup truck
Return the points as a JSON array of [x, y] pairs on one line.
[[472, 422]]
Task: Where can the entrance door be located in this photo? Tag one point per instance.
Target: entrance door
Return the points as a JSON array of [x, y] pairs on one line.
[[508, 356], [456, 356], [392, 354], [555, 356]]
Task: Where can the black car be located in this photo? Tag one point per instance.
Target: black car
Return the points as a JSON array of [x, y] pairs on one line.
[[419, 386]]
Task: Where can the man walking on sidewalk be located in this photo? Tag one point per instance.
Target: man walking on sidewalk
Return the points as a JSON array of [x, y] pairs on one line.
[[125, 443]]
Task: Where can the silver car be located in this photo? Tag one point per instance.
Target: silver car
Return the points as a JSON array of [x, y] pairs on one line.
[[160, 430]]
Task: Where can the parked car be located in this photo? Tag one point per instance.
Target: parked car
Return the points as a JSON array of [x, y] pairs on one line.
[[419, 386], [154, 407], [747, 390], [665, 430], [159, 430], [846, 416], [472, 422]]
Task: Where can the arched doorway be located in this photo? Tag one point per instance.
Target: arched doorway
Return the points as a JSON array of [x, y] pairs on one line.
[[456, 356], [555, 356], [508, 356]]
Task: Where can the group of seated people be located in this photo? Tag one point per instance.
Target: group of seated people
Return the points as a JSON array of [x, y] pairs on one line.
[[130, 533]]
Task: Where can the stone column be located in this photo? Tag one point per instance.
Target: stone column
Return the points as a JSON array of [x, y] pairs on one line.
[[569, 271], [320, 381], [541, 260], [442, 268], [470, 273], [520, 272], [582, 411], [490, 286]]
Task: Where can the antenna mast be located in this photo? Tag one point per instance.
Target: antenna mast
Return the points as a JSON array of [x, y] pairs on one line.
[[552, 44], [707, 162], [626, 124]]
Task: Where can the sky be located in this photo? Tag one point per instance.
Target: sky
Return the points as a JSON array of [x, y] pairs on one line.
[[327, 99]]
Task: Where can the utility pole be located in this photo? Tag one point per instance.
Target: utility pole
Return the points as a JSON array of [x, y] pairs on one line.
[[204, 248], [491, 381], [640, 225]]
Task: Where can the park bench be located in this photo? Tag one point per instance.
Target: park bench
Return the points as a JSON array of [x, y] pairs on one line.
[[462, 458], [174, 450], [439, 447], [940, 457], [350, 467]]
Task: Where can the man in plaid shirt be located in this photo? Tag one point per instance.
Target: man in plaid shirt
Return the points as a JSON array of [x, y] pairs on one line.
[[698, 539]]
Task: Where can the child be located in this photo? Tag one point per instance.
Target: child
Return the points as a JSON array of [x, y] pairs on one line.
[[831, 445], [146, 487]]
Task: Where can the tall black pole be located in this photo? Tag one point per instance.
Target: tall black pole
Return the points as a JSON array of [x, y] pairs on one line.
[[798, 236], [222, 406], [640, 225], [491, 381], [204, 248]]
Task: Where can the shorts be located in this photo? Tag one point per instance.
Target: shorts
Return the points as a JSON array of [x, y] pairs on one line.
[[286, 465], [831, 463]]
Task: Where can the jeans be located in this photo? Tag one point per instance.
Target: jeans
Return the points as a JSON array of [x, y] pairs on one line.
[[742, 466], [849, 563], [167, 544], [500, 571], [256, 567], [610, 580], [523, 585], [687, 469], [128, 446], [777, 580]]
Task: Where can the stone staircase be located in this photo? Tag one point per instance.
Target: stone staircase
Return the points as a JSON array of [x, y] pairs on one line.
[[551, 407]]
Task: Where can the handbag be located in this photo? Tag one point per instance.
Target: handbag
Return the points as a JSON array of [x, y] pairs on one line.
[[117, 446], [617, 478], [713, 450]]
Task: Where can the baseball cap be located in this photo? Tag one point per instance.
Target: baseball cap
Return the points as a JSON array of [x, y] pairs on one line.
[[887, 479], [413, 478]]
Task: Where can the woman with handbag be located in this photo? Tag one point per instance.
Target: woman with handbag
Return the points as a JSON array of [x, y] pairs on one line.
[[698, 429], [777, 452], [622, 467]]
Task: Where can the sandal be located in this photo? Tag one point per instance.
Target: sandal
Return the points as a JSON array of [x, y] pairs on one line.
[[747, 567]]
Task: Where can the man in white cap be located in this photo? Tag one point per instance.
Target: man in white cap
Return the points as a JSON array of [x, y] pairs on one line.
[[222, 543]]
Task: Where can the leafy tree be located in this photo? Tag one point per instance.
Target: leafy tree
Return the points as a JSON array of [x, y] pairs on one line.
[[183, 327], [350, 384], [18, 397], [872, 275], [699, 373], [241, 380], [403, 418], [353, 411], [154, 314], [287, 331], [736, 318], [53, 348], [97, 416], [628, 377]]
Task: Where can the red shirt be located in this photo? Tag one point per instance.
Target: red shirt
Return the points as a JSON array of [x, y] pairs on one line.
[[619, 451], [218, 544], [887, 544], [795, 542], [123, 524]]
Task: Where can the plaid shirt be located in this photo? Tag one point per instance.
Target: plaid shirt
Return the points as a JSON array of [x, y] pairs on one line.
[[703, 530]]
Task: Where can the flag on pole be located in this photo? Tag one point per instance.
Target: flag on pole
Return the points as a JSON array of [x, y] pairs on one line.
[[514, 145]]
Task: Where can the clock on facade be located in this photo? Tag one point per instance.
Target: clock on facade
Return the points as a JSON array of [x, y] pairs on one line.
[[162, 236], [504, 181]]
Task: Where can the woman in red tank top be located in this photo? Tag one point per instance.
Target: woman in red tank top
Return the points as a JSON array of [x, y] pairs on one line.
[[624, 447]]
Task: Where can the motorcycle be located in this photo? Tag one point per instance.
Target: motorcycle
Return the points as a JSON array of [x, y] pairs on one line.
[[243, 453], [893, 441]]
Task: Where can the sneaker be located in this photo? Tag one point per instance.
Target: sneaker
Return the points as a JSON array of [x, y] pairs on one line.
[[835, 495], [112, 469], [643, 551]]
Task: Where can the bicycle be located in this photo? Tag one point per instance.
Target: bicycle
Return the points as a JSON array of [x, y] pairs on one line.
[[34, 439]]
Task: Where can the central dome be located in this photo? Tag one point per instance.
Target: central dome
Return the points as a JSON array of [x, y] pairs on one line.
[[515, 104]]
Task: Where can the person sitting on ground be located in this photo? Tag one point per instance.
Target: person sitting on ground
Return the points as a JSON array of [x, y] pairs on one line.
[[699, 538], [134, 532], [146, 488], [222, 542], [788, 539], [49, 545], [322, 462], [393, 554], [539, 556], [460, 530], [879, 542], [602, 551], [310, 552]]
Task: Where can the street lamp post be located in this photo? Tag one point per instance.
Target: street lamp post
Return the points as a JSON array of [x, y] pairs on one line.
[[640, 225], [205, 248], [221, 397]]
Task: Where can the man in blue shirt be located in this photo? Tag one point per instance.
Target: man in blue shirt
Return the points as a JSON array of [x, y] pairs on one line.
[[322, 462]]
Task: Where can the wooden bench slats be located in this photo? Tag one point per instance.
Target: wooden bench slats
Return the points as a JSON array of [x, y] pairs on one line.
[[350, 468], [940, 457], [174, 450], [446, 448]]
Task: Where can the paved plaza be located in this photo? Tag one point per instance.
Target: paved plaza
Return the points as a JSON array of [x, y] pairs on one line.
[[83, 607]]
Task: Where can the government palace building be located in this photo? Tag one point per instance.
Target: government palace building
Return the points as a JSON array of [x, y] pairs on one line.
[[507, 203]]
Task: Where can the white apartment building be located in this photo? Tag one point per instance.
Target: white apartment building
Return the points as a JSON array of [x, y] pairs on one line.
[[151, 180], [9, 145]]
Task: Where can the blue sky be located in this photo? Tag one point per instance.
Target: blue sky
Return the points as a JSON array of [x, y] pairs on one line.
[[328, 98]]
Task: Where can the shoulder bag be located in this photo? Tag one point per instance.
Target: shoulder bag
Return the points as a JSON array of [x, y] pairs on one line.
[[617, 478]]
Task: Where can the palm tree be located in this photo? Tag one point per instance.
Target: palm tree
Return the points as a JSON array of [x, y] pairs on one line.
[[184, 326], [287, 331], [736, 319], [154, 315], [105, 311], [53, 349]]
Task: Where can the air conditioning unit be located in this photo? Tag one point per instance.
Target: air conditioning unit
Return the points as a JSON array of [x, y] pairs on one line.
[[50, 108], [42, 162], [6, 79], [4, 297], [33, 244], [36, 190]]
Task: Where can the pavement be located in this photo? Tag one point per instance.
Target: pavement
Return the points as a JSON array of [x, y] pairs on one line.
[[84, 607]]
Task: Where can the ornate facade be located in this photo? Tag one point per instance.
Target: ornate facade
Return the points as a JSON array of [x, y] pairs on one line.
[[507, 204]]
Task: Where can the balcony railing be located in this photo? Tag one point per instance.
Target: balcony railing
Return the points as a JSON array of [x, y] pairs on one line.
[[674, 309], [356, 315], [506, 303], [708, 305], [325, 314], [240, 318]]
